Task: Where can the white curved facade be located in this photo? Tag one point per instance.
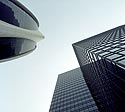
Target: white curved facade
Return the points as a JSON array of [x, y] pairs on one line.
[[19, 32], [8, 30]]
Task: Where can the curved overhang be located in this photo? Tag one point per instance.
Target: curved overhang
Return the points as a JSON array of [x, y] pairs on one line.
[[18, 30], [16, 42], [8, 30]]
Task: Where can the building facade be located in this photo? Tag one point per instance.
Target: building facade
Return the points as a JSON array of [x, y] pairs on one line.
[[18, 30], [102, 61], [72, 94]]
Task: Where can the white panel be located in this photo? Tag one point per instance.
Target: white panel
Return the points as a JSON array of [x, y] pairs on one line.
[[8, 30]]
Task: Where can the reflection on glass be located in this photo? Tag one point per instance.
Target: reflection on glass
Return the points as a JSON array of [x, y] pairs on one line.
[[122, 46], [113, 56], [115, 45], [12, 47], [104, 53], [106, 48], [122, 62], [13, 14], [114, 49], [123, 52], [119, 58]]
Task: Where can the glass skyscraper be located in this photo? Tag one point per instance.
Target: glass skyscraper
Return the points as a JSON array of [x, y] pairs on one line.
[[72, 94], [102, 61], [101, 84]]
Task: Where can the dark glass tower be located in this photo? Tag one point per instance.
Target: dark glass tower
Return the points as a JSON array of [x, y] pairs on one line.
[[72, 94], [102, 61]]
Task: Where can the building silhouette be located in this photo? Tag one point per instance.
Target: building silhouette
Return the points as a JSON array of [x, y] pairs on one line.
[[72, 94], [102, 61]]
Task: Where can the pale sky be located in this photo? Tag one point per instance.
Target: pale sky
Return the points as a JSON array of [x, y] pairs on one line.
[[27, 84]]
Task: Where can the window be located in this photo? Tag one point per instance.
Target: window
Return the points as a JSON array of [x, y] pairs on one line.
[[123, 46], [122, 62], [104, 53], [123, 52], [113, 56], [115, 49], [115, 45]]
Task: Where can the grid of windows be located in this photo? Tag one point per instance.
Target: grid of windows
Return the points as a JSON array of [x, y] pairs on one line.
[[102, 60], [72, 94]]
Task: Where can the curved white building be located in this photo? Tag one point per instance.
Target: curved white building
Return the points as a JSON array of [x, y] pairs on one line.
[[18, 30]]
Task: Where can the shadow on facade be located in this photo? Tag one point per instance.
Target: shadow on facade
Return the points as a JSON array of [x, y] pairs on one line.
[[106, 80]]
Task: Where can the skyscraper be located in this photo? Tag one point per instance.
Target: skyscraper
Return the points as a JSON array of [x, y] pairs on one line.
[[102, 61], [72, 94]]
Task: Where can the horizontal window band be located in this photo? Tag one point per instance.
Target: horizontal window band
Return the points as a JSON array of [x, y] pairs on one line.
[[11, 47]]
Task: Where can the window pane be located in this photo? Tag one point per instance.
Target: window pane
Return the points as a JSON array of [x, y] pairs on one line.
[[113, 56]]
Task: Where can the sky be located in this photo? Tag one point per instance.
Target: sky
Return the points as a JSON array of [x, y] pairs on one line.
[[27, 84]]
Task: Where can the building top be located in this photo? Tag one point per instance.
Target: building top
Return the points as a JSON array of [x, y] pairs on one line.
[[102, 61], [72, 94], [102, 37]]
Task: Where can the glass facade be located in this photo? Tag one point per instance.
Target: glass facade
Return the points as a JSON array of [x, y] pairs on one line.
[[72, 94], [12, 47], [102, 61], [16, 14]]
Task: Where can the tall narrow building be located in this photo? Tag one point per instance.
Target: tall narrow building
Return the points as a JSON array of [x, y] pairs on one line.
[[72, 94], [102, 61]]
